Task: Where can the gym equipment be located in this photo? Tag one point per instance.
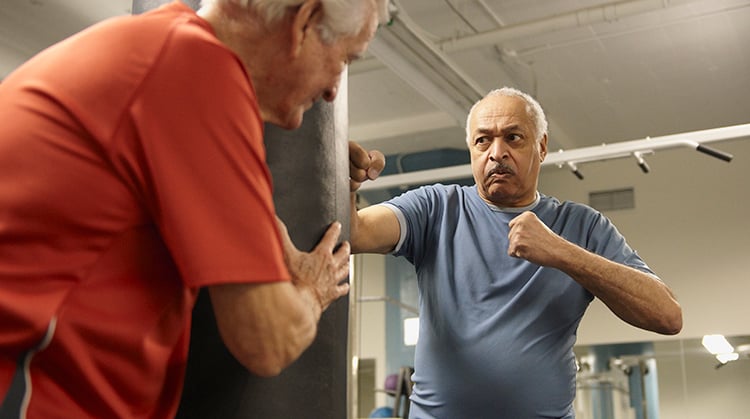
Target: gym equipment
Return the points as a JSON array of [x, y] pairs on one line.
[[382, 412], [391, 382], [399, 386]]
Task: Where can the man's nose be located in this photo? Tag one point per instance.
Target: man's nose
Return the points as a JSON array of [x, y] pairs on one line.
[[330, 93], [498, 150]]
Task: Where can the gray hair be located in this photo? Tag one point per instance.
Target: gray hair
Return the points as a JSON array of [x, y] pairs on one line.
[[533, 108], [341, 18]]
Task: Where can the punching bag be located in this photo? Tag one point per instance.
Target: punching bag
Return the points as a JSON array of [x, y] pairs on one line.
[[311, 190], [310, 172], [310, 169]]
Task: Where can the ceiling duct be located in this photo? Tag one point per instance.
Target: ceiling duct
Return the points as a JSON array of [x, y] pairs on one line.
[[424, 67], [609, 12]]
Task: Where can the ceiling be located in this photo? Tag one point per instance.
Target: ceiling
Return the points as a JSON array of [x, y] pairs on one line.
[[605, 71], [646, 68]]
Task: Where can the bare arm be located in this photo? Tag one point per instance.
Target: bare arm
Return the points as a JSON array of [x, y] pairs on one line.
[[634, 296], [268, 326], [373, 229]]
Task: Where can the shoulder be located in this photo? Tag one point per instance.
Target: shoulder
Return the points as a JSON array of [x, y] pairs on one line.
[[436, 194], [552, 204], [439, 190], [568, 216], [155, 25]]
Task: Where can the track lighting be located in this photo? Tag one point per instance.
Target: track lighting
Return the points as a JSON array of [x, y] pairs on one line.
[[572, 158], [573, 168], [641, 161]]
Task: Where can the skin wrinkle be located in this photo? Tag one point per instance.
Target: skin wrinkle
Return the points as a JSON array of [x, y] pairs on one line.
[[502, 133]]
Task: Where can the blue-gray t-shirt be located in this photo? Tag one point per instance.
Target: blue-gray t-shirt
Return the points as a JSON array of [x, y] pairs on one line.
[[496, 333]]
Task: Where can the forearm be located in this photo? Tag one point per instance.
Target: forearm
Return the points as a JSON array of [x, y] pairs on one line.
[[266, 326], [364, 166], [636, 297], [354, 233]]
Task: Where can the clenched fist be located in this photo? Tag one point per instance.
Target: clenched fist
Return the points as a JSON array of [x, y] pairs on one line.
[[529, 238], [363, 165]]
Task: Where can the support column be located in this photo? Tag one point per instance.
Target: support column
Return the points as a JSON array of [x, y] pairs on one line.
[[310, 172]]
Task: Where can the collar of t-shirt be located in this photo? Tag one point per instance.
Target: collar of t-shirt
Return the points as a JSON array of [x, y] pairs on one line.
[[516, 210]]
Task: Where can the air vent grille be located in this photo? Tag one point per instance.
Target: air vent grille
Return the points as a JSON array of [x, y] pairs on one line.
[[616, 199]]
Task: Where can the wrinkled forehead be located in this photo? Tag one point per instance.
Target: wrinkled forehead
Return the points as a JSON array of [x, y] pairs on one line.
[[499, 111]]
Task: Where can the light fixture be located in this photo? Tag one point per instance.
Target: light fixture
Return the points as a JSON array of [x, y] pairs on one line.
[[720, 346], [574, 168], [724, 358], [641, 161], [717, 344]]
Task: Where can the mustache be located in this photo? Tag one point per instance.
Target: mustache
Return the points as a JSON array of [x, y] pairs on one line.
[[501, 168]]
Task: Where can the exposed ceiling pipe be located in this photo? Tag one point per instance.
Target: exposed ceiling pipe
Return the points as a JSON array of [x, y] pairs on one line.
[[425, 65], [578, 18], [416, 60], [490, 13]]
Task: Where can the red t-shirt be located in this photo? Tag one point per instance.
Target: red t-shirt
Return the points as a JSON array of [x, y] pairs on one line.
[[132, 172]]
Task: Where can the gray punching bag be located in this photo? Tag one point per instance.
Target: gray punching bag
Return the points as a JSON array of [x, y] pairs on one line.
[[311, 190], [310, 172]]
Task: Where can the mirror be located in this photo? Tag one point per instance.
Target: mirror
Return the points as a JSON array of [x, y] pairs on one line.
[[676, 378], [673, 378], [689, 224]]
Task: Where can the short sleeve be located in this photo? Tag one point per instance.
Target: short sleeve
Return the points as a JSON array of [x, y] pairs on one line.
[[199, 162]]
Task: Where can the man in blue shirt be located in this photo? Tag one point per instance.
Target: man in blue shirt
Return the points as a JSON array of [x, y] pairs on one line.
[[505, 273]]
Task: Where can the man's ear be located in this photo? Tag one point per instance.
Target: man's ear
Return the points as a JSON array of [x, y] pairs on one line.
[[304, 19], [543, 148]]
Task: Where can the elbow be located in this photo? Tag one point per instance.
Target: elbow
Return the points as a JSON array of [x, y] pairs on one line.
[[270, 357], [265, 367], [675, 326], [672, 321], [269, 362], [265, 327]]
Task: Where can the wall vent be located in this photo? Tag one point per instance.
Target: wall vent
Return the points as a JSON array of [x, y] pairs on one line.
[[615, 199]]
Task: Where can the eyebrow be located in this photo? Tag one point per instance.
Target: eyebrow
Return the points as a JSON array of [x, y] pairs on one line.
[[503, 130]]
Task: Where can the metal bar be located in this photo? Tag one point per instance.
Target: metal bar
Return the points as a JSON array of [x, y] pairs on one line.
[[694, 140]]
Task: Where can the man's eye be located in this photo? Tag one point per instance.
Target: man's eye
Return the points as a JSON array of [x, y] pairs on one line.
[[514, 137], [481, 140]]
